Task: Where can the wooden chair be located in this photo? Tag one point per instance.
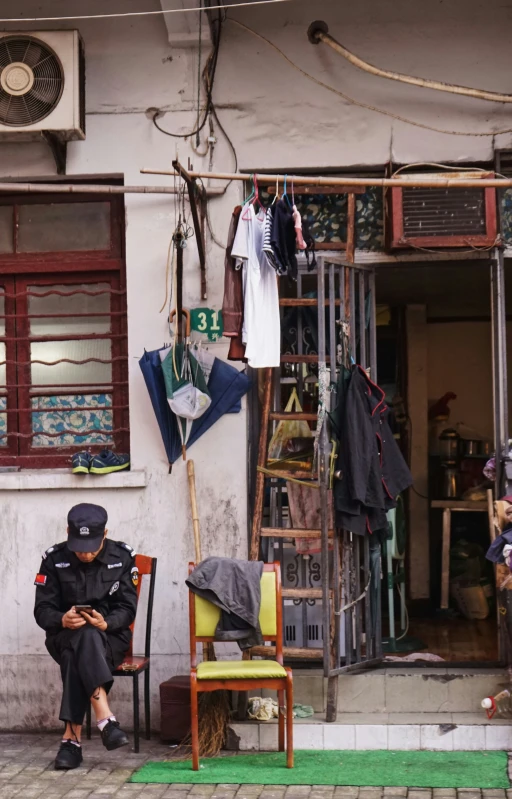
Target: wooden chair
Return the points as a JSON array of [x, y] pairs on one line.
[[134, 665], [242, 675]]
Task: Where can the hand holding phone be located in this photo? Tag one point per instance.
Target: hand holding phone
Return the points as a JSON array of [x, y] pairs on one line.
[[72, 620], [84, 609]]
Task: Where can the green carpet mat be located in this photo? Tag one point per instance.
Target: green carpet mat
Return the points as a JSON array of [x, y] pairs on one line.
[[374, 768]]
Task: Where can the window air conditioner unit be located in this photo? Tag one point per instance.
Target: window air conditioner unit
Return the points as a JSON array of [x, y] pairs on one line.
[[441, 217], [42, 85]]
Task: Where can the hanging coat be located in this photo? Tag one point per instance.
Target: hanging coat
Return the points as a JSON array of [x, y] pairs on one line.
[[233, 302], [372, 471], [235, 587]]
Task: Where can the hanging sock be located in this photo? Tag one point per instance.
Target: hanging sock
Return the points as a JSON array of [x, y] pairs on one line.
[[297, 222]]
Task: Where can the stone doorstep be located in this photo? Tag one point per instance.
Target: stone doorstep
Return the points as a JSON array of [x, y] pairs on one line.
[[396, 689], [394, 731]]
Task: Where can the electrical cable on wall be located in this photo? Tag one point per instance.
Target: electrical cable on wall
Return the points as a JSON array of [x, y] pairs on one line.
[[210, 112], [159, 12]]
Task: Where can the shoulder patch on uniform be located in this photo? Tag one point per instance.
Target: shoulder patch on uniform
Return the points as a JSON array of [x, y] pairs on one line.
[[40, 579], [128, 548], [54, 548], [135, 575]]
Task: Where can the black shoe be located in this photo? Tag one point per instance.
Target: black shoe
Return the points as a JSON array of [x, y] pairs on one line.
[[113, 737], [69, 756]]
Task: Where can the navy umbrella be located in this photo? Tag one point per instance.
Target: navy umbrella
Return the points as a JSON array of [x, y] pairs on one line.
[[226, 386]]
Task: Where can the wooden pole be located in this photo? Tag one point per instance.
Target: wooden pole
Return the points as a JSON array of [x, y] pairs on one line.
[[208, 648], [404, 182], [259, 495], [91, 188], [193, 505]]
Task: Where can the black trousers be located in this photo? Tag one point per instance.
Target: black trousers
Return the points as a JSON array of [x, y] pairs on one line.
[[87, 657]]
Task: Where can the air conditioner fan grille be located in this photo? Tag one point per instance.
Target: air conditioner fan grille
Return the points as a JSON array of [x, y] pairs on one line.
[[45, 85]]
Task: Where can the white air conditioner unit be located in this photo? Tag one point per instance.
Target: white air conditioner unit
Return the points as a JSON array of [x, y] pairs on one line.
[[42, 85]]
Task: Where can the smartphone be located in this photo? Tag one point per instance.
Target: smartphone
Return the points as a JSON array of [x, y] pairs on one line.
[[86, 608]]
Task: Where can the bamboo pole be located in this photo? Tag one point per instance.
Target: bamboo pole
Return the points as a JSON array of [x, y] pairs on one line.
[[318, 32], [89, 188], [302, 180], [193, 505]]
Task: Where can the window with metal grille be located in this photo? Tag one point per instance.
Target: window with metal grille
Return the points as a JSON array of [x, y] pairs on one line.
[[63, 333]]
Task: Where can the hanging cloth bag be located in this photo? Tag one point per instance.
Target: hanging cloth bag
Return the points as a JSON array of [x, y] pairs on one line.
[[291, 446]]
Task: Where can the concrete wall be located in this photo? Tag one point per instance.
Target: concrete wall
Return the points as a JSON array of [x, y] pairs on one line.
[[127, 71], [276, 119]]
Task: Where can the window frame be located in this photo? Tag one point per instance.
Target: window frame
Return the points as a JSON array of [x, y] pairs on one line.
[[7, 283], [20, 270], [38, 261]]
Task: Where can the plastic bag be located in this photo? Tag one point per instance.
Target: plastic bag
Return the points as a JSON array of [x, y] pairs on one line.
[[292, 442], [262, 708]]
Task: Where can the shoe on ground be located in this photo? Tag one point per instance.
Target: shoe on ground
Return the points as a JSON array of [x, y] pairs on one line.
[[69, 756], [81, 463], [107, 462], [113, 736]]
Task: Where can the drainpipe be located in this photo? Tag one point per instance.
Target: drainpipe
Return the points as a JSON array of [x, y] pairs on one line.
[[318, 32]]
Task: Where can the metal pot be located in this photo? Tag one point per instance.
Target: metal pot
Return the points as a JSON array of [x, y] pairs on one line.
[[450, 487], [470, 447], [449, 445]]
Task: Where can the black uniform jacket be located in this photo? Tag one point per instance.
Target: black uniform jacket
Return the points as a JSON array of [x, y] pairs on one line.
[[372, 469], [108, 584]]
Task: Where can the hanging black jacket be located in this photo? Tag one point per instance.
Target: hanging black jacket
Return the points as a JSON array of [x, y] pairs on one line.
[[372, 470]]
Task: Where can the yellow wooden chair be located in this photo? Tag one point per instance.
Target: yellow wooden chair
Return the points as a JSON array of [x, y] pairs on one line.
[[242, 675]]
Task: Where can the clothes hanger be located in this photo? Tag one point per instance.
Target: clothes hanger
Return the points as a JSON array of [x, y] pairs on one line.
[[247, 201], [285, 196], [250, 196], [276, 195], [257, 198]]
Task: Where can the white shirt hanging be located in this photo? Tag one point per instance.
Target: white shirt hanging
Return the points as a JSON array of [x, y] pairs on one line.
[[261, 331]]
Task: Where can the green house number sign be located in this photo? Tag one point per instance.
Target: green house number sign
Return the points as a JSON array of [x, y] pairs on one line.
[[208, 322]]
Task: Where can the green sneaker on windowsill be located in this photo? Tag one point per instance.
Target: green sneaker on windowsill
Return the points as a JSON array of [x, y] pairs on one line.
[[81, 463], [107, 462]]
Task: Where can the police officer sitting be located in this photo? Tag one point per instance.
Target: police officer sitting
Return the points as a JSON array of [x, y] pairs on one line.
[[93, 571]]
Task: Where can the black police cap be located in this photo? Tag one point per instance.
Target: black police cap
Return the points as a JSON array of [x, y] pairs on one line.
[[86, 527]]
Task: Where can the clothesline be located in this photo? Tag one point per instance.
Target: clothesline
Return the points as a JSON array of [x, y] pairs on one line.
[[308, 180]]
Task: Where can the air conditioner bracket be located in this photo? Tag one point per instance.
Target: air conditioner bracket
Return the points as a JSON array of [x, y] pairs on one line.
[[59, 150]]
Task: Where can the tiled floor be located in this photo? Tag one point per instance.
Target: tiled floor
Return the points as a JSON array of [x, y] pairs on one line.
[[26, 772]]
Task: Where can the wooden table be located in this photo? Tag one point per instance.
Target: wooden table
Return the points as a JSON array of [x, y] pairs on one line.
[[449, 506]]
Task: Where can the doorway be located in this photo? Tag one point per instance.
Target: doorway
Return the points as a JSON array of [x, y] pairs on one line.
[[435, 362]]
